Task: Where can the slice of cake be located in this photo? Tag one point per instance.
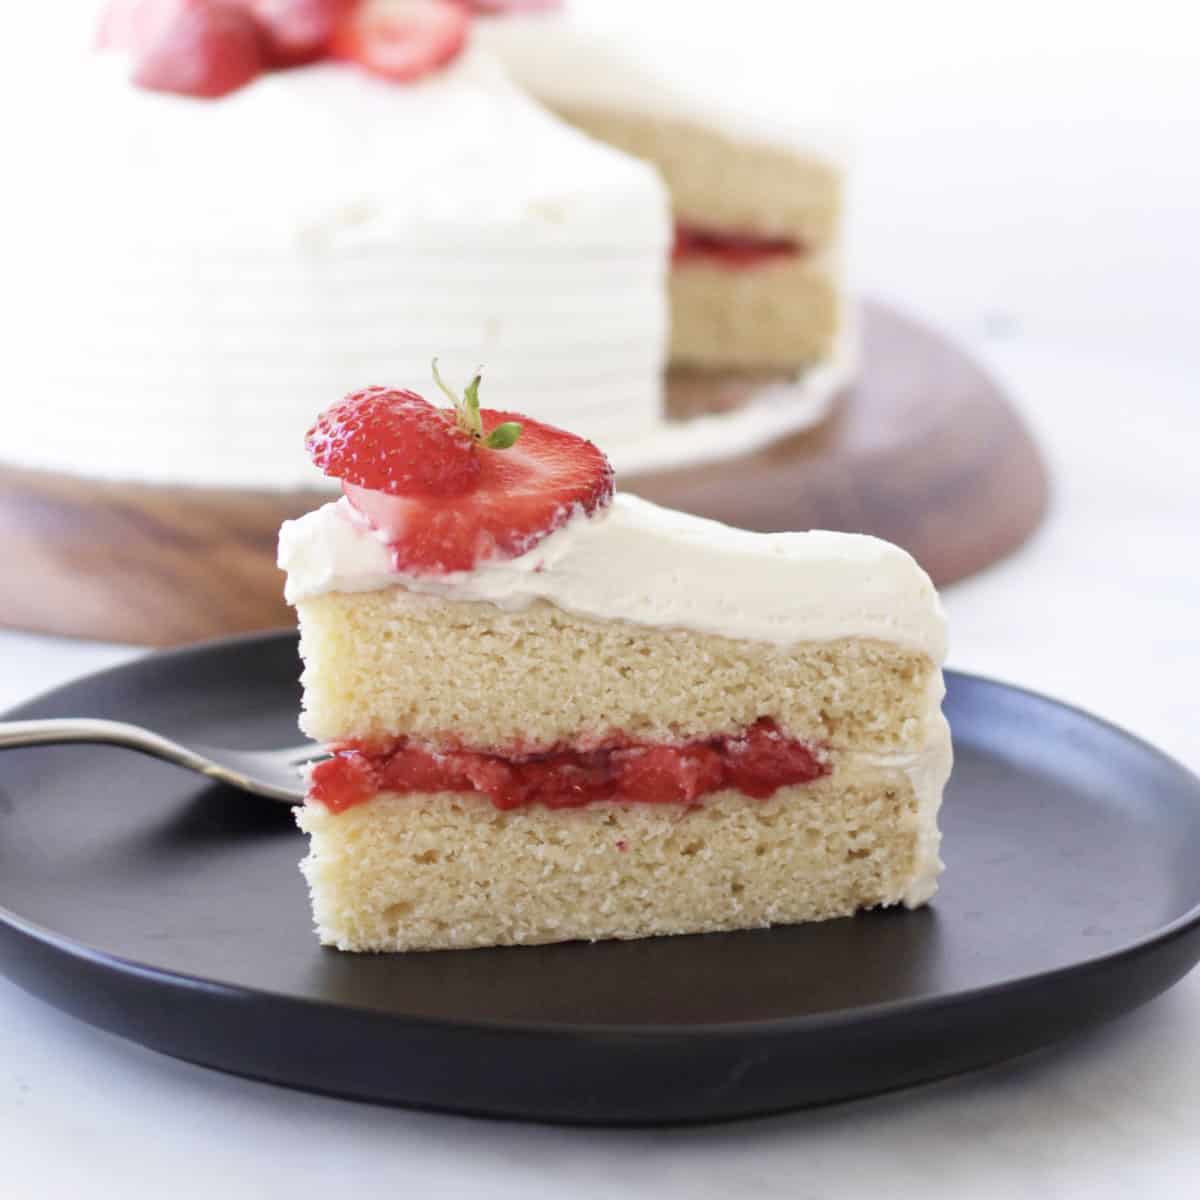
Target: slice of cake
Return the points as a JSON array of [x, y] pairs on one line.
[[560, 714], [756, 271]]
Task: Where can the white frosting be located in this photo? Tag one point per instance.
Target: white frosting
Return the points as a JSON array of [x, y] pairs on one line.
[[574, 61], [635, 561], [221, 270], [927, 771]]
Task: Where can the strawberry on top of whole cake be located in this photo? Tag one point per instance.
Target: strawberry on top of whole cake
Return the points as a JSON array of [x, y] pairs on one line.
[[209, 48]]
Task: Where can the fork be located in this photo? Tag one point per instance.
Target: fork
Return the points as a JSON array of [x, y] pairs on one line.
[[271, 773]]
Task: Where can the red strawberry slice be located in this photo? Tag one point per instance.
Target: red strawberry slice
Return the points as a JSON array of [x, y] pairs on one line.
[[522, 495], [403, 40], [762, 760], [669, 774], [295, 32], [207, 49], [394, 441]]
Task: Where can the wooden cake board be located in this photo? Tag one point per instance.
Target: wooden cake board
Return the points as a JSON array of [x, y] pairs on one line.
[[923, 450]]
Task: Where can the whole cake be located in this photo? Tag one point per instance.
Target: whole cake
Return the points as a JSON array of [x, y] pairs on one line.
[[233, 242], [556, 713]]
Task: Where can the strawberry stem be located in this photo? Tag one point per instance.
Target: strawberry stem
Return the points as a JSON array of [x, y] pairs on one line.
[[467, 414], [471, 404], [503, 436]]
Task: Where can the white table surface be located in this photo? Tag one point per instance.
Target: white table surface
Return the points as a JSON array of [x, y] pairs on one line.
[[1046, 216]]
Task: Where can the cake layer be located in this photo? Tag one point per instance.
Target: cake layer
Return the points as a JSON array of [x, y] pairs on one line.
[[783, 313], [391, 663], [447, 870]]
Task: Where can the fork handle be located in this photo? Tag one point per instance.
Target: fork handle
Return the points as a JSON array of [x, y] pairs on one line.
[[133, 737], [62, 730], [72, 729]]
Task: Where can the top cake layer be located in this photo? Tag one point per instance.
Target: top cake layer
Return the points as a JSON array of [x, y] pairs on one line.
[[634, 561], [637, 621]]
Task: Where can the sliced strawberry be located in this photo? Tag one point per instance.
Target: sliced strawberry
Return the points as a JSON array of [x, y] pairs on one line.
[[344, 780], [763, 760], [522, 495], [669, 774], [559, 783], [295, 32], [207, 49], [394, 441], [402, 40]]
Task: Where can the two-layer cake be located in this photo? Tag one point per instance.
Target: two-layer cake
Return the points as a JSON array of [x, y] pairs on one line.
[[558, 713]]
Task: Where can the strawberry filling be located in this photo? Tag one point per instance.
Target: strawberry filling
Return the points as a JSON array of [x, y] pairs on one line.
[[693, 244], [757, 761]]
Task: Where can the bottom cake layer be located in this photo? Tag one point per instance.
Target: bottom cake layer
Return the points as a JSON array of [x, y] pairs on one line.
[[783, 314], [450, 870]]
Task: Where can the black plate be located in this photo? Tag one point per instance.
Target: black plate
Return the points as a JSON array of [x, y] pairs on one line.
[[137, 898]]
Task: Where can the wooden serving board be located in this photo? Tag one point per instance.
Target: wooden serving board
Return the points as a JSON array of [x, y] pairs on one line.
[[923, 450]]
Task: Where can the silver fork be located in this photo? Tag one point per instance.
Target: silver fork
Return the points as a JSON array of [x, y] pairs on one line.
[[271, 773]]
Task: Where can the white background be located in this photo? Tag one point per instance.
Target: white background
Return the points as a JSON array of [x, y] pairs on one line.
[[1027, 178]]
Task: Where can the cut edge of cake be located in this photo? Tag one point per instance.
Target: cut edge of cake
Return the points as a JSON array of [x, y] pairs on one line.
[[730, 173]]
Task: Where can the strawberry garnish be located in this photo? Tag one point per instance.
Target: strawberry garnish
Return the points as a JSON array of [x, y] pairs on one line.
[[522, 496], [404, 468], [206, 49], [402, 40], [295, 32], [394, 442]]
